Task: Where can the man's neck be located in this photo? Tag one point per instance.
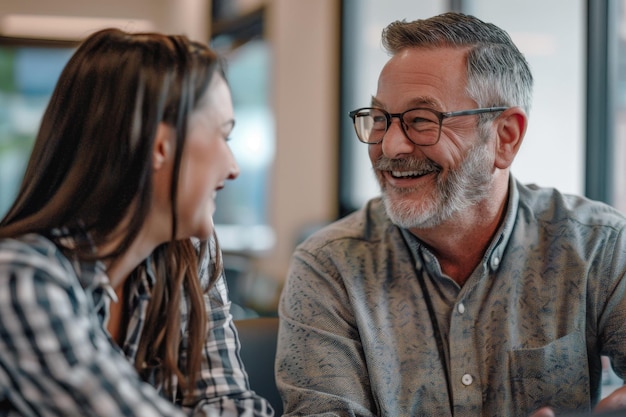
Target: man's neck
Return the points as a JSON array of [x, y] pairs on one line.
[[460, 243]]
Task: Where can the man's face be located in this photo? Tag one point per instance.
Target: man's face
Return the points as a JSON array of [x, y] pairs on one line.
[[424, 186]]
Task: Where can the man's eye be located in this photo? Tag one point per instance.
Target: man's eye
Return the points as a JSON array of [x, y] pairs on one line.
[[418, 120]]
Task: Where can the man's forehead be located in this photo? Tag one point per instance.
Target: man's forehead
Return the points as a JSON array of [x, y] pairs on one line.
[[419, 101]]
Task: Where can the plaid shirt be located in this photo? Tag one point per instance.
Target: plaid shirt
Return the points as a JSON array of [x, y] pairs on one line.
[[58, 359]]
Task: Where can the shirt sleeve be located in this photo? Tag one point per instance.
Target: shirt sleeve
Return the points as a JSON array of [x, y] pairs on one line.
[[608, 301], [222, 388], [320, 364], [55, 359]]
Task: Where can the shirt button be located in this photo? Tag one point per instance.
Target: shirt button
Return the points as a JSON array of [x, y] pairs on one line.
[[496, 261], [461, 308], [467, 379]]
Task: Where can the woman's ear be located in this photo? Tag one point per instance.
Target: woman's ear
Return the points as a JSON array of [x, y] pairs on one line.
[[510, 129], [162, 166], [163, 145]]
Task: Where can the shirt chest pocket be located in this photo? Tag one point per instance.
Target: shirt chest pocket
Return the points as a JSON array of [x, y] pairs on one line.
[[555, 375]]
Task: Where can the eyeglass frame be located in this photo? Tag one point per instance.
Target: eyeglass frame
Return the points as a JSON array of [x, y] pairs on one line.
[[400, 116]]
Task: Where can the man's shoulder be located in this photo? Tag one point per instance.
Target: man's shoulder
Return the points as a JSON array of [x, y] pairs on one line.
[[554, 206], [367, 225]]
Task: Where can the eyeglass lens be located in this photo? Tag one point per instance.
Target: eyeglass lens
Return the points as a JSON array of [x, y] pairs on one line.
[[420, 125]]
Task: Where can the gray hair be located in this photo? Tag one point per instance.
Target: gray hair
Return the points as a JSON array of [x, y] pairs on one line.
[[497, 72]]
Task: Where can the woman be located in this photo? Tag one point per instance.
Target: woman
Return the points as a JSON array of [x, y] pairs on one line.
[[113, 301]]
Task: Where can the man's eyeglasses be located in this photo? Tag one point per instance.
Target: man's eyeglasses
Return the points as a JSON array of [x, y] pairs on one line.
[[422, 126]]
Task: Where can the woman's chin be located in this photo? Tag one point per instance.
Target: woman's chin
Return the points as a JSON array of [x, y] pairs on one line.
[[201, 231], [206, 230]]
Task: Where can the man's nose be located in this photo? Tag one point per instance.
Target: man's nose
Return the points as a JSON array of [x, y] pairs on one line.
[[396, 142]]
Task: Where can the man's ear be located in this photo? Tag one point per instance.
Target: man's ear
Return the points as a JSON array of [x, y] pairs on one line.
[[162, 145], [510, 129]]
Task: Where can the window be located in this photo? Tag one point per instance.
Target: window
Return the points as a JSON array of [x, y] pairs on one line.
[[616, 91], [28, 74], [241, 216]]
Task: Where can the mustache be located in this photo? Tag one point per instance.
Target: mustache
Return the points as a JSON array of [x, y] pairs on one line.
[[406, 164]]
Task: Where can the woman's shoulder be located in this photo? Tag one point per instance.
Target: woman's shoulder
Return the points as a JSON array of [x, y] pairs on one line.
[[27, 245], [36, 253]]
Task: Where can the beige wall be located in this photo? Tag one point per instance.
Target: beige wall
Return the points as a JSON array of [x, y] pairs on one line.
[[173, 16], [304, 37]]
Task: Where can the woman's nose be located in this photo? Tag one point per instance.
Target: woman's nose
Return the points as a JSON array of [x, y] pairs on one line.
[[234, 168]]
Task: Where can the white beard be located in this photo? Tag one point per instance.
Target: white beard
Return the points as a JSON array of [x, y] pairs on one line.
[[462, 188]]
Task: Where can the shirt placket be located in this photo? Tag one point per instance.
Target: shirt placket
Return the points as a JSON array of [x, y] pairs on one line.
[[464, 367]]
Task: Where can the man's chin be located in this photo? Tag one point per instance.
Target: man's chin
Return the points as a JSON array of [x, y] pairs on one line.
[[405, 212], [402, 212], [406, 198]]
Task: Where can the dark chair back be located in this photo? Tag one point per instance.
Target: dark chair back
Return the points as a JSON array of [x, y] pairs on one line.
[[258, 351]]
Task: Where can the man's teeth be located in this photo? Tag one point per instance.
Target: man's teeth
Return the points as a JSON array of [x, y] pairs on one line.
[[403, 174]]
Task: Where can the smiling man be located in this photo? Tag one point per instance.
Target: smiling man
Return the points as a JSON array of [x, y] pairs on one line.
[[460, 291]]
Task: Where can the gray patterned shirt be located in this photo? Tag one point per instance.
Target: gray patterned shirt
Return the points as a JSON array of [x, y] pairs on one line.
[[526, 329], [57, 358]]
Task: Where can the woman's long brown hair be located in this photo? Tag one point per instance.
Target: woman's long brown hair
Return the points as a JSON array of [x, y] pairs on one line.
[[174, 266], [90, 169]]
